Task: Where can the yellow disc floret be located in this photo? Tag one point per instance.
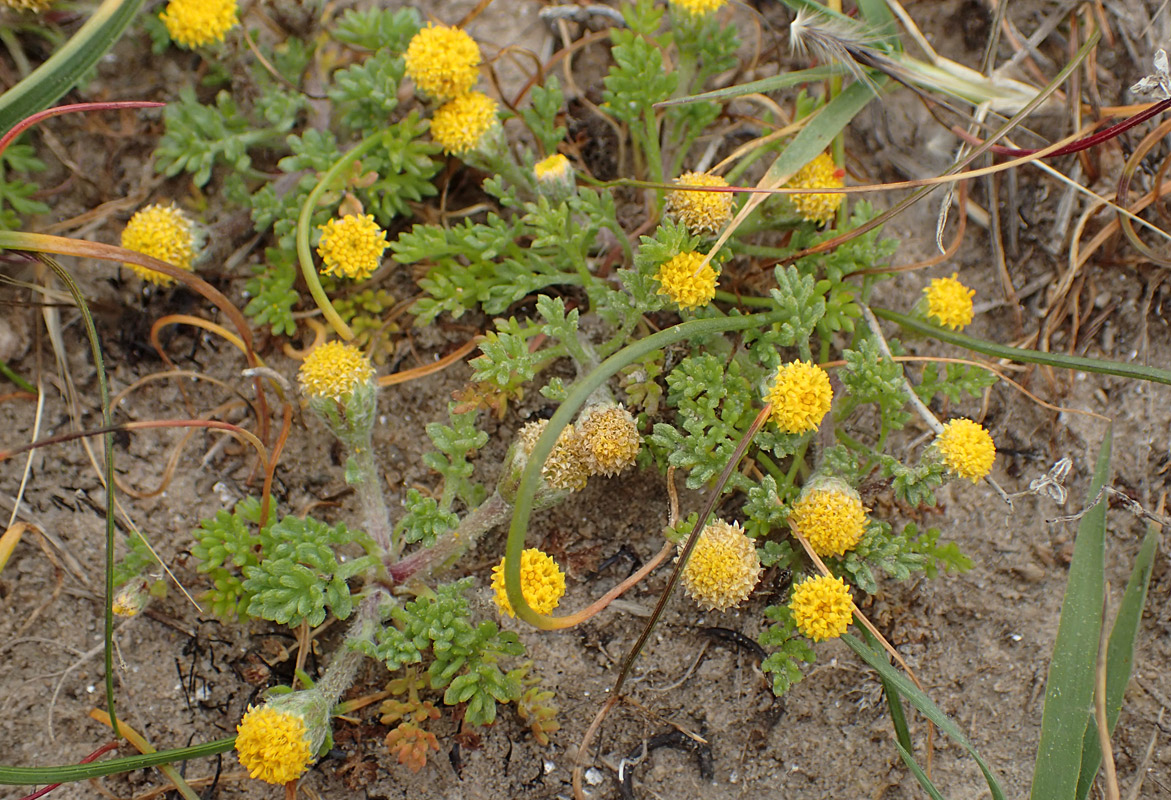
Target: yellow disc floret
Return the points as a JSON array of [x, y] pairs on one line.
[[161, 232], [832, 519], [950, 302], [352, 246], [822, 608], [723, 568], [461, 124], [36, 6], [443, 62], [696, 8], [564, 468], [194, 23], [966, 448], [820, 173], [701, 212], [679, 281], [334, 370], [273, 745], [551, 169], [541, 581], [801, 396], [608, 439]]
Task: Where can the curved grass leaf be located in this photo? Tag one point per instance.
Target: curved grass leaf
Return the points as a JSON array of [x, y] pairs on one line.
[[1069, 690], [1119, 656], [33, 776], [60, 73], [902, 685]]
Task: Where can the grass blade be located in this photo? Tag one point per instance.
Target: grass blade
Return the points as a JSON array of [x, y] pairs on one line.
[[1069, 691], [919, 774], [904, 687], [64, 68], [1120, 655], [33, 776]]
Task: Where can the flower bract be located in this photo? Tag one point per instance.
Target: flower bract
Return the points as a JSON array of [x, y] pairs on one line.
[[608, 439], [723, 569], [801, 396], [950, 302], [194, 23], [679, 282], [966, 448], [443, 62], [541, 581], [333, 370], [831, 518], [822, 608], [820, 173], [701, 212], [273, 745], [461, 124], [351, 247], [555, 178], [162, 232]]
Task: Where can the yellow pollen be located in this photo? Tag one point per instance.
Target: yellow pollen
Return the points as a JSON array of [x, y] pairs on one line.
[[541, 581], [723, 569], [800, 395], [966, 448], [351, 247], [820, 173], [334, 370], [161, 232], [443, 62], [678, 280], [822, 608], [194, 23], [950, 302], [701, 212], [461, 124], [273, 745]]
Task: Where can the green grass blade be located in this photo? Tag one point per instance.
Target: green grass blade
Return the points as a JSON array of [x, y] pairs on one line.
[[902, 684], [34, 776], [894, 703], [64, 68], [1021, 355], [1069, 690], [919, 774], [1119, 656], [762, 86]]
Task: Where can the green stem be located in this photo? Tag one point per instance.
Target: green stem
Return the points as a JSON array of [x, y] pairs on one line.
[[368, 487], [7, 372], [744, 300], [770, 466], [91, 333], [305, 220], [32, 776], [577, 397], [993, 350]]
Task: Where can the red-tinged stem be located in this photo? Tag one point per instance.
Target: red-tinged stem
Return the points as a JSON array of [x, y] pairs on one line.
[[94, 756], [1078, 145], [28, 122]]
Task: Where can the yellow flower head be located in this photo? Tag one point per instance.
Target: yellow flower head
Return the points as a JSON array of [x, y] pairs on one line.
[[460, 124], [554, 168], [696, 8], [352, 246], [273, 745], [36, 6], [820, 173], [607, 439], [801, 396], [822, 608], [679, 281], [334, 370], [831, 517], [564, 468], [541, 581], [443, 62], [131, 598], [950, 302], [701, 212], [723, 568], [162, 232], [194, 23], [966, 449]]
